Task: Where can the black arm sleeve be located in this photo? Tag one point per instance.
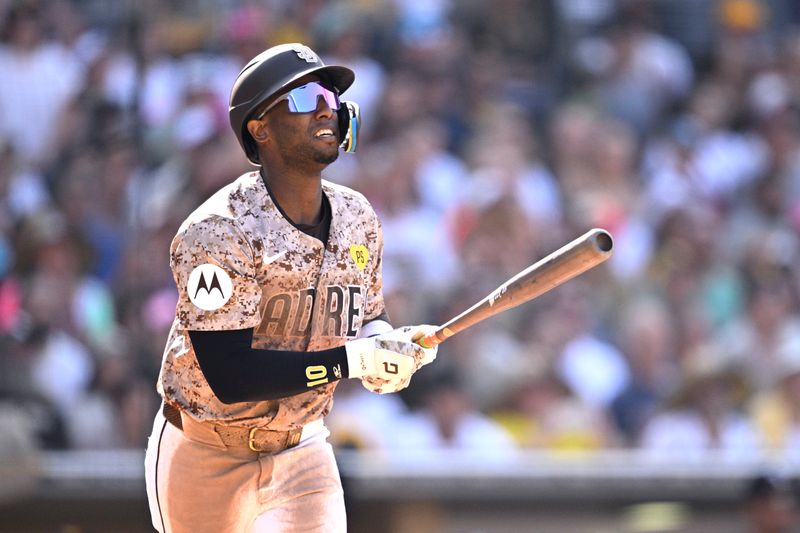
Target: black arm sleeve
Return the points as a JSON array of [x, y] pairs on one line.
[[236, 372]]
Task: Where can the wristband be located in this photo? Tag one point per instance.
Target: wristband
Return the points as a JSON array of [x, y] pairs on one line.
[[374, 327], [360, 357]]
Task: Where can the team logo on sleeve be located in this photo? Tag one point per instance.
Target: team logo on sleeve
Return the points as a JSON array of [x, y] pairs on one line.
[[360, 255], [209, 287]]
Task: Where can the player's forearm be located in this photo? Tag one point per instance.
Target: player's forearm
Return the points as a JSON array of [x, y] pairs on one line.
[[236, 372]]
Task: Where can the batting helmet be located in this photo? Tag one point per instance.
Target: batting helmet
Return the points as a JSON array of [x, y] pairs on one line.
[[268, 74]]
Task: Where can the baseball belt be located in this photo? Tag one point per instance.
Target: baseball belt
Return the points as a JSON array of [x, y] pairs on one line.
[[257, 439]]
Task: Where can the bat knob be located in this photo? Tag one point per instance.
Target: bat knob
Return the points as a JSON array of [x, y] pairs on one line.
[[428, 342]]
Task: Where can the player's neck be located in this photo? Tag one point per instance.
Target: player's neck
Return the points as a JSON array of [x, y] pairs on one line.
[[299, 197]]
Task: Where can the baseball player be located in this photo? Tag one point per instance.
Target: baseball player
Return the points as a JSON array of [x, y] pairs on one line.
[[280, 296]]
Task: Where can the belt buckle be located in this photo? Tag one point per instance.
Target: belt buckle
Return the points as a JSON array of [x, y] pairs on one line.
[[290, 440], [251, 440]]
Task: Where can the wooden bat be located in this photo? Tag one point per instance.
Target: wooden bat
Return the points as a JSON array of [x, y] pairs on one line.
[[569, 261]]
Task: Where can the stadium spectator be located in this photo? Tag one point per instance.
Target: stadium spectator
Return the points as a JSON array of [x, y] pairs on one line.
[[704, 413], [447, 420], [542, 413], [776, 410], [39, 77], [646, 333]]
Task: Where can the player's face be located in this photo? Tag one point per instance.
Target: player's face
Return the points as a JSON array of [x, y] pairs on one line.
[[301, 138]]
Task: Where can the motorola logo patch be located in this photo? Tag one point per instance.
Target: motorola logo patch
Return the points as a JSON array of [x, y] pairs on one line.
[[209, 287]]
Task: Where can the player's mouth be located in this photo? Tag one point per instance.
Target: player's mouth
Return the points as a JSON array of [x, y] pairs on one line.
[[325, 134]]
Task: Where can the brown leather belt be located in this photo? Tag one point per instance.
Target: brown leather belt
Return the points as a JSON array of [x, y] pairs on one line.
[[257, 439]]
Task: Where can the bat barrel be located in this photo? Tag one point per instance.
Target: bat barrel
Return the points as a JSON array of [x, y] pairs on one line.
[[569, 261], [602, 240]]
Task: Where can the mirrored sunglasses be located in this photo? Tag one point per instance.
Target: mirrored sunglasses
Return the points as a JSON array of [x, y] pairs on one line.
[[304, 99]]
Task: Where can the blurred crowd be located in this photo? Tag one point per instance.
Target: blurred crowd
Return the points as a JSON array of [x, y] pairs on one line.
[[494, 132]]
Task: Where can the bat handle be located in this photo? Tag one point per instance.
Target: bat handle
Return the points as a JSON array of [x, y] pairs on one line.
[[435, 338]]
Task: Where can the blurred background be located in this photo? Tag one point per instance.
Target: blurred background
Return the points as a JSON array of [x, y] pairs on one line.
[[659, 392]]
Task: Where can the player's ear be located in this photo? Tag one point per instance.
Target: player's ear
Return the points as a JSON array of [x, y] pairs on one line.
[[258, 130]]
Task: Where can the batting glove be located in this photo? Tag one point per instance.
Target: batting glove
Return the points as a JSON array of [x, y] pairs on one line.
[[402, 340], [385, 386], [380, 357], [418, 332]]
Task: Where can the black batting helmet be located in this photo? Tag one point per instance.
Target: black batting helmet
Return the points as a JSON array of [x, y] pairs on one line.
[[266, 75]]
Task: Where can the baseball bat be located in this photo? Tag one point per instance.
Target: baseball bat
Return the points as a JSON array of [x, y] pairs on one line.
[[569, 261]]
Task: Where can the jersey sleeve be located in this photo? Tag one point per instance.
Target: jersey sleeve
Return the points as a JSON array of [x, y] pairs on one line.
[[375, 305], [213, 267]]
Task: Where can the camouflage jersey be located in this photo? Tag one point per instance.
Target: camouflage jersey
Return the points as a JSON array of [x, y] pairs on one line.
[[239, 264]]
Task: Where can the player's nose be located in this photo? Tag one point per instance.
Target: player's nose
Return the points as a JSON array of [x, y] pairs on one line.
[[323, 109]]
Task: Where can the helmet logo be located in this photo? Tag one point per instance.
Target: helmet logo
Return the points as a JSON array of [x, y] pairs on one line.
[[306, 54]]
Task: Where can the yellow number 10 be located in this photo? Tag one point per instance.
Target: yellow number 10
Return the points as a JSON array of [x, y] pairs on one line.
[[317, 375]]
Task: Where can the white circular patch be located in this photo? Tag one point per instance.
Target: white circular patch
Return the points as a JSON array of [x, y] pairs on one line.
[[209, 287]]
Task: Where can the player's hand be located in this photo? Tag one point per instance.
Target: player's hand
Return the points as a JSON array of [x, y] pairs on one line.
[[399, 341], [385, 386], [418, 332], [412, 334], [381, 357]]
